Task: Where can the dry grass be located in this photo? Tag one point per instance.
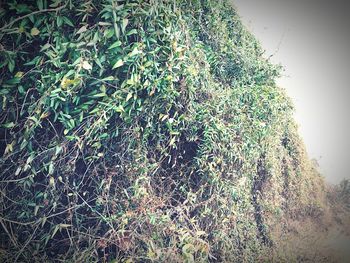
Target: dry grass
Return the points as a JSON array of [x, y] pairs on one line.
[[315, 237]]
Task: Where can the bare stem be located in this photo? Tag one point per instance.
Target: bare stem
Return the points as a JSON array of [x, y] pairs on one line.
[[33, 13]]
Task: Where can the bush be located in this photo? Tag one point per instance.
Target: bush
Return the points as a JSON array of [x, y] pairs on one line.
[[140, 130]]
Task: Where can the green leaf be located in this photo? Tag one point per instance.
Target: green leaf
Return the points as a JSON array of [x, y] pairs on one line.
[[109, 78], [59, 21], [44, 47], [131, 32], [115, 44], [13, 81], [134, 52], [21, 89], [120, 108], [8, 125], [55, 230], [40, 5], [11, 65], [67, 21], [58, 149], [82, 30], [43, 221], [104, 23], [51, 168], [98, 95], [22, 8], [33, 61], [124, 24], [55, 3], [118, 64], [36, 209], [128, 97]]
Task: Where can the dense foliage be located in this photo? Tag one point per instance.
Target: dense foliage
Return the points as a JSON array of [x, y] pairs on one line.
[[141, 131]]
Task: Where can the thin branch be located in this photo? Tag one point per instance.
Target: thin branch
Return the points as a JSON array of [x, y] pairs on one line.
[[33, 13], [26, 244], [15, 180], [10, 236], [18, 223]]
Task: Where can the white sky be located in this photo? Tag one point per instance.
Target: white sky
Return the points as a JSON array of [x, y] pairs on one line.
[[311, 39]]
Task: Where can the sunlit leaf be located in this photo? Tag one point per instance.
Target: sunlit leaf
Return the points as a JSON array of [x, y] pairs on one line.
[[129, 96], [125, 22], [86, 65], [118, 64], [34, 31], [115, 44]]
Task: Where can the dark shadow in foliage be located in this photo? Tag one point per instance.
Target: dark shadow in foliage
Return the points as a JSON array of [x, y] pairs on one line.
[[259, 181]]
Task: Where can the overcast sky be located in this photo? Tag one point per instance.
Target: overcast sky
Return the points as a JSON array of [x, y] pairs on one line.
[[311, 39]]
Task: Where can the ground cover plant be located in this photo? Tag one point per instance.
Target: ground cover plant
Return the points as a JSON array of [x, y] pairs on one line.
[[143, 131]]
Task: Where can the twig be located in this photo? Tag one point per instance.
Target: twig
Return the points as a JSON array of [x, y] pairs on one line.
[[93, 210], [278, 46], [18, 223], [33, 13], [10, 236], [26, 244], [15, 180]]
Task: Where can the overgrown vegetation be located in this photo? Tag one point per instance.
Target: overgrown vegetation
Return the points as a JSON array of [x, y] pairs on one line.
[[142, 131]]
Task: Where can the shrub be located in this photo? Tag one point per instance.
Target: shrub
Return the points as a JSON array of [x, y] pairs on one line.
[[140, 130]]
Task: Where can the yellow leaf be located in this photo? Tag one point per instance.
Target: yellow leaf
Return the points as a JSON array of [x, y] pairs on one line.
[[164, 117], [52, 181], [68, 82], [44, 115], [201, 233], [9, 148], [65, 225], [34, 31], [172, 141], [19, 74], [151, 255], [64, 83]]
